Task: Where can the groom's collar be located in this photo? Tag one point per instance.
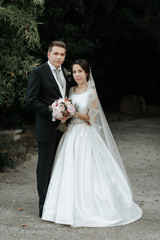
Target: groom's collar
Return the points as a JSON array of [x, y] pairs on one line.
[[52, 67]]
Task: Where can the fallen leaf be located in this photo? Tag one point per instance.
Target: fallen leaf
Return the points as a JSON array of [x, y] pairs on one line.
[[20, 209], [24, 225]]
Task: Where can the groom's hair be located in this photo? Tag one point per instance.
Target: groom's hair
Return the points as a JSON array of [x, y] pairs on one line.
[[57, 44]]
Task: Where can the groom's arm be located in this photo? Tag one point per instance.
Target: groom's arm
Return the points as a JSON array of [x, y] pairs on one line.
[[33, 96]]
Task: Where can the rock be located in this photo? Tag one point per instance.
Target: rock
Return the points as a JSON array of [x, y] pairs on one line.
[[12, 134], [133, 105], [17, 134]]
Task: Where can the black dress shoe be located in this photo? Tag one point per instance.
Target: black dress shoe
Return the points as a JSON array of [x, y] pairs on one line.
[[40, 208], [40, 213]]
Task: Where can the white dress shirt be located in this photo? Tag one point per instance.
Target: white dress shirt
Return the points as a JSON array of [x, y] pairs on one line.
[[63, 91]]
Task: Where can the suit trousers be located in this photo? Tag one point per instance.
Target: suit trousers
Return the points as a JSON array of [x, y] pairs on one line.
[[46, 154]]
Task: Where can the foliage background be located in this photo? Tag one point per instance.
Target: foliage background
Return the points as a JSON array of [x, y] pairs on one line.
[[121, 40]]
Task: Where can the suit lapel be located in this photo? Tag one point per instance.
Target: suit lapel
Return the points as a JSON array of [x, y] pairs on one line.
[[67, 82], [51, 77]]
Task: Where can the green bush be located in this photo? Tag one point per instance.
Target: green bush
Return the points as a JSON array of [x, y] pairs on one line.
[[19, 40], [5, 159]]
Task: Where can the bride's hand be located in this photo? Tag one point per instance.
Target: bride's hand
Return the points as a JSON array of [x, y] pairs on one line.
[[75, 115], [64, 119], [88, 123]]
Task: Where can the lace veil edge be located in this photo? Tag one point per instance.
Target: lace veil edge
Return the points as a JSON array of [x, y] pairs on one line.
[[99, 121]]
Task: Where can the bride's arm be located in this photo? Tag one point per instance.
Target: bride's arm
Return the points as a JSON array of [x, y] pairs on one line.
[[84, 117]]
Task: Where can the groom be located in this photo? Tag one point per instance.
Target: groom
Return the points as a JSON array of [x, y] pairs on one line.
[[45, 85]]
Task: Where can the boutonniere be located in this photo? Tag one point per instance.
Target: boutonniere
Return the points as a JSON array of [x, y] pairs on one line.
[[68, 74]]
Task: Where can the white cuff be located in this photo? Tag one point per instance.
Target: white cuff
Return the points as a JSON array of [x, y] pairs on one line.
[[53, 118]]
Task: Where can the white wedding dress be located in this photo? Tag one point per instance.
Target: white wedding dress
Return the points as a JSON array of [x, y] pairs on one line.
[[87, 186]]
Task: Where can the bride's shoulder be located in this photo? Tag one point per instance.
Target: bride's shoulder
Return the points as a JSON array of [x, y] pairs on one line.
[[92, 91]]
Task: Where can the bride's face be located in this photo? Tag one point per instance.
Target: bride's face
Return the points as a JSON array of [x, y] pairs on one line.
[[79, 74]]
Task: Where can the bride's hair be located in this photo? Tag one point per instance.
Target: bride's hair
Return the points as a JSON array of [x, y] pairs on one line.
[[84, 65]]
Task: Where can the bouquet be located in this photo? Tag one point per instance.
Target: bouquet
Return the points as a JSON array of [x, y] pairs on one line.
[[63, 107]]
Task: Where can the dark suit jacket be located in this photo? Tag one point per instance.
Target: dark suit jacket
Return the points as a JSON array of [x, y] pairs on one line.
[[42, 91]]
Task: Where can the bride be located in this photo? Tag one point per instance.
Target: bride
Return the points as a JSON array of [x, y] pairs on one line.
[[89, 186]]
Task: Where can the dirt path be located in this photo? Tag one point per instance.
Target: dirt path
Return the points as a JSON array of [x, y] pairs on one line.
[[139, 144]]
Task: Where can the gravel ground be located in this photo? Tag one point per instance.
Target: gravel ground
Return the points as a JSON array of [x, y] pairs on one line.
[[139, 144]]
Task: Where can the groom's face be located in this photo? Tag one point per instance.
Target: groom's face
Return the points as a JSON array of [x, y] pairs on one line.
[[57, 56]]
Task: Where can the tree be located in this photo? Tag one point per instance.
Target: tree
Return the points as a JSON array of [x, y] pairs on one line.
[[19, 40], [66, 21], [121, 40], [128, 34]]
